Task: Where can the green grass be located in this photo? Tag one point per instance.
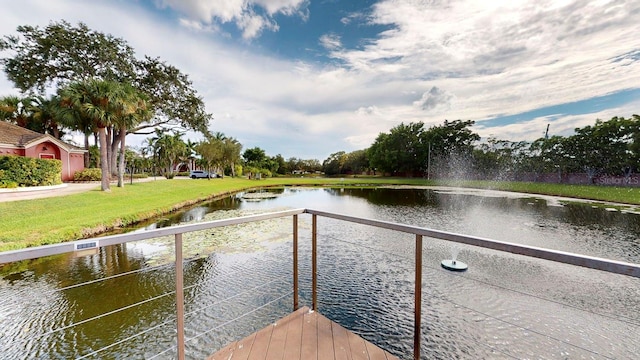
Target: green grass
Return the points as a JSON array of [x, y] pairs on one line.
[[625, 195], [51, 220]]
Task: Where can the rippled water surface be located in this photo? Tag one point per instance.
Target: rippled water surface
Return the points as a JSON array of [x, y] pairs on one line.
[[238, 280]]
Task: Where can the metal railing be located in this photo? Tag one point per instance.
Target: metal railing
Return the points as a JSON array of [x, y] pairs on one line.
[[90, 245]]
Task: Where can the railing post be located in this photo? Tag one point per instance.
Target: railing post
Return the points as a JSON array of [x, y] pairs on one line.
[[179, 297], [314, 262], [295, 262], [418, 300]]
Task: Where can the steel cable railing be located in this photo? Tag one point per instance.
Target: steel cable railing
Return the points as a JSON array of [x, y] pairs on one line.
[[189, 313], [230, 321], [177, 231], [325, 235], [621, 318]]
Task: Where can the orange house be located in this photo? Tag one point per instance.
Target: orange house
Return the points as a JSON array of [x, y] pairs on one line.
[[18, 141]]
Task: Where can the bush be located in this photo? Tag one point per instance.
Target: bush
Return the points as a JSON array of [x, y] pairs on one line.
[[91, 174], [5, 183], [26, 171]]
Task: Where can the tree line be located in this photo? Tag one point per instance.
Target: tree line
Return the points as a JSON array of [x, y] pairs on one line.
[[453, 150]]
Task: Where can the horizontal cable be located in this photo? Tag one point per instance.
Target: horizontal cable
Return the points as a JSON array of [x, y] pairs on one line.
[[231, 297], [223, 324], [100, 316], [241, 316], [125, 339], [504, 288], [621, 318]]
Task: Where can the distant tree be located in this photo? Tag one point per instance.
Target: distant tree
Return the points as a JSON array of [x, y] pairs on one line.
[[402, 151], [356, 162], [451, 147], [333, 165], [282, 165], [167, 149], [211, 153], [254, 157], [550, 155], [606, 147], [312, 165], [231, 149], [294, 164]]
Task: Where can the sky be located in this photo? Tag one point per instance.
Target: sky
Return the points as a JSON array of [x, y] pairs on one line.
[[308, 78]]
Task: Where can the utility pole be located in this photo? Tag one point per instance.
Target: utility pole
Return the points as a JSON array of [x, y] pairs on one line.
[[546, 133], [429, 163]]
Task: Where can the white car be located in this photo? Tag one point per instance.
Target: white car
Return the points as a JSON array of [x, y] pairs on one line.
[[199, 174]]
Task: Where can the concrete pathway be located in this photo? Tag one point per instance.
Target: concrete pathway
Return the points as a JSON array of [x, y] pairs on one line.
[[58, 190]]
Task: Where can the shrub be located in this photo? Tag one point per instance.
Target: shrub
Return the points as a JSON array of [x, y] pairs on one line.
[[26, 171], [91, 174], [6, 183]]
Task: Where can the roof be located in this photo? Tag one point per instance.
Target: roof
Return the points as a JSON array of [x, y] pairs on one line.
[[16, 136]]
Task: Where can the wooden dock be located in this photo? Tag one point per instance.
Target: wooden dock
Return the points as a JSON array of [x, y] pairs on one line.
[[302, 335]]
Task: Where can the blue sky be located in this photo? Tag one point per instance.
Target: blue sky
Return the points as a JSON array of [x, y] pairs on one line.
[[306, 78]]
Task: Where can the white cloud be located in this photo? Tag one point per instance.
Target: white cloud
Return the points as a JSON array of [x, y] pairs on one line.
[[330, 41], [241, 12], [504, 57], [252, 25]]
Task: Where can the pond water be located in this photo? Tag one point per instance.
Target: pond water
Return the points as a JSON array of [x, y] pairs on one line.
[[239, 279]]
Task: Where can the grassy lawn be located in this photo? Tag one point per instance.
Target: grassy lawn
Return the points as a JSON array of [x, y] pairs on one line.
[[625, 195], [56, 219]]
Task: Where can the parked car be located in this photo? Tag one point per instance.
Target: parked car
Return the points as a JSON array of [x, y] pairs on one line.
[[195, 174]]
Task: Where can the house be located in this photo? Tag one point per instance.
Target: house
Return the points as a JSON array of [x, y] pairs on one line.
[[18, 141]]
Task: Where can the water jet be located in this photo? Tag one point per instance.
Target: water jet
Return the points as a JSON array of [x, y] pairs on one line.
[[453, 264]]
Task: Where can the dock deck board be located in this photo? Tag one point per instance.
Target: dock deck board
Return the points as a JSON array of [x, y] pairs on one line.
[[302, 335]]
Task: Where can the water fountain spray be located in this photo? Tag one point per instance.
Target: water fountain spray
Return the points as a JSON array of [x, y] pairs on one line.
[[453, 264]]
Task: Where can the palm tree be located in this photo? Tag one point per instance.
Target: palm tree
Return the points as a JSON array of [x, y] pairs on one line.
[[100, 102], [15, 110], [133, 110], [231, 150], [167, 149], [189, 156], [43, 114]]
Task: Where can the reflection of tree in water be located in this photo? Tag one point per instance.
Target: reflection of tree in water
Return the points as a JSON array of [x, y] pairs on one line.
[[599, 218], [380, 196], [66, 307]]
